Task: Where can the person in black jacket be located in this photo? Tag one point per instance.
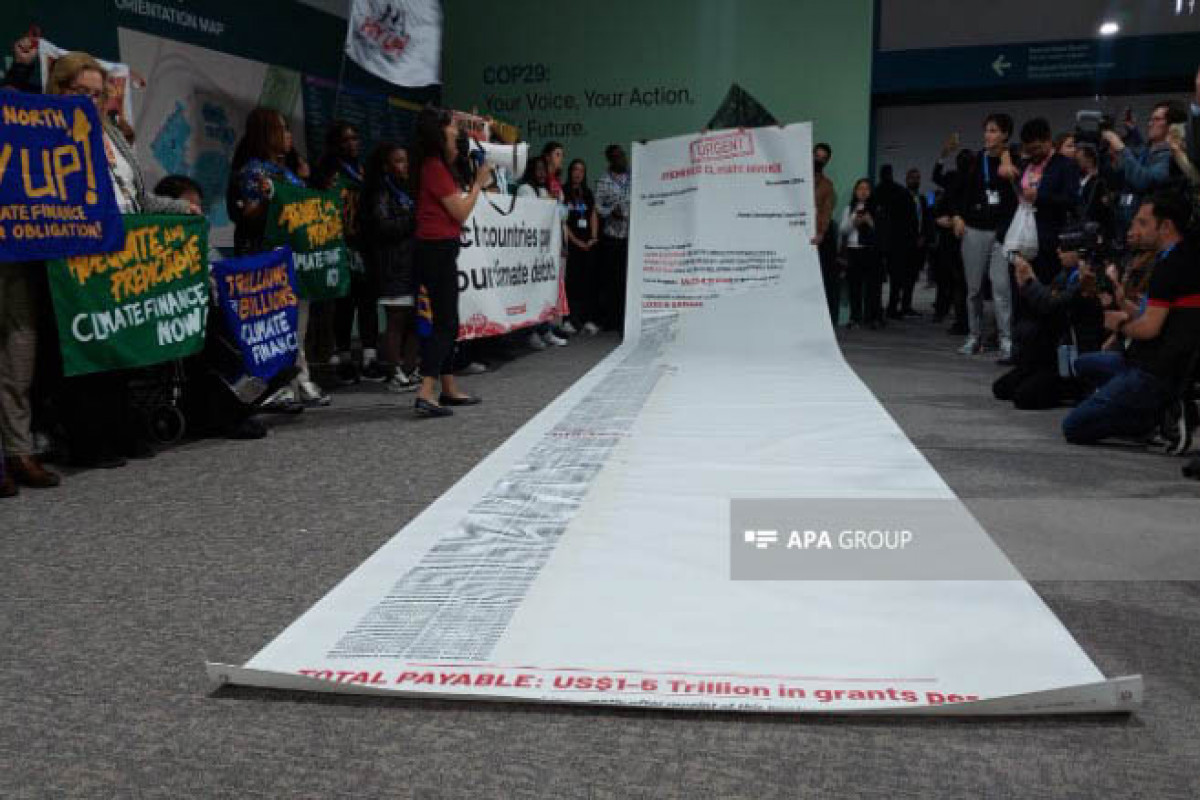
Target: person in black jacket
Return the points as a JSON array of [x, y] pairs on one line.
[[1063, 313], [857, 241], [897, 227], [388, 219], [1050, 182], [949, 273], [983, 210], [1095, 199]]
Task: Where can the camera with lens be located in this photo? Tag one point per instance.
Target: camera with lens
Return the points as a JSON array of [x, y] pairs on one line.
[[1090, 127], [1088, 240]]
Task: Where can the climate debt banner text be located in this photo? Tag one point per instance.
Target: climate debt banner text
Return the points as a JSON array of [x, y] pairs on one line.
[[56, 198], [509, 267], [653, 539], [141, 305]]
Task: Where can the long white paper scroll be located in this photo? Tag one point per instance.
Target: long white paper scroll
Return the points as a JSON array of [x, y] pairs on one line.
[[589, 559]]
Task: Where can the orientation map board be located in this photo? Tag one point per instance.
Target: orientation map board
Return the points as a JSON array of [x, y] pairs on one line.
[[622, 547], [377, 117]]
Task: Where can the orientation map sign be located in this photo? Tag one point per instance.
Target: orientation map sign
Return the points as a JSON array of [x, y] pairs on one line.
[[310, 223], [56, 197], [141, 305], [377, 117], [596, 557]]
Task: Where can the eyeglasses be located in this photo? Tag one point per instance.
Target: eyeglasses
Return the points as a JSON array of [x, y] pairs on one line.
[[84, 91]]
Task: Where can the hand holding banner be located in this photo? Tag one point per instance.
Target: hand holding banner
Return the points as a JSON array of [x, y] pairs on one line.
[[117, 81], [56, 197], [142, 305], [310, 223]]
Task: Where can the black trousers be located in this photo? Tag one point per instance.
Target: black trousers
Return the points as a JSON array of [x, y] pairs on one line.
[[864, 280], [583, 288], [435, 269], [1030, 388], [614, 275], [362, 300], [831, 275], [904, 267], [948, 274], [98, 416]]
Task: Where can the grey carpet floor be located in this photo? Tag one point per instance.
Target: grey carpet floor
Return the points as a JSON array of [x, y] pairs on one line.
[[118, 586]]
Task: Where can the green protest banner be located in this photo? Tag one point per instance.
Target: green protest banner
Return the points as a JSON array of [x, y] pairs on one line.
[[142, 305], [310, 222]]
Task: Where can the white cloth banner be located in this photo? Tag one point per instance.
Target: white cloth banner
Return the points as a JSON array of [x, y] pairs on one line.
[[598, 555], [509, 268], [397, 40], [119, 84]]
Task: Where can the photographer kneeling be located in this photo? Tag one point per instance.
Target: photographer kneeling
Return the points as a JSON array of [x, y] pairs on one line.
[[1064, 318], [1164, 338]]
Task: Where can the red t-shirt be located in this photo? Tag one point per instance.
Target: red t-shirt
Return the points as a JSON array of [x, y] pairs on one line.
[[433, 220]]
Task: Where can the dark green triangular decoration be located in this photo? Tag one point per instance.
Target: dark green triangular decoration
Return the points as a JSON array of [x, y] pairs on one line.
[[739, 109]]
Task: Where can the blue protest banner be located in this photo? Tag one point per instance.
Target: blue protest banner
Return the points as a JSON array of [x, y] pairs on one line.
[[259, 303], [56, 196]]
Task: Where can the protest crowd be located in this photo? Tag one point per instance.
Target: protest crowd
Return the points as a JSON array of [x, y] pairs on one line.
[[273, 314], [1070, 256]]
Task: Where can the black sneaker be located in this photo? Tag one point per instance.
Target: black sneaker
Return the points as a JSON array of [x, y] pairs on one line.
[[1192, 469], [376, 372], [248, 429], [1174, 434], [347, 373], [1181, 421]]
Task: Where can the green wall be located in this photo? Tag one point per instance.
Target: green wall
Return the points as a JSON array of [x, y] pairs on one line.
[[801, 59]]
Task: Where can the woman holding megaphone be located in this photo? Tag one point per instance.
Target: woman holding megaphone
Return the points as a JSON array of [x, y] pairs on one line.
[[442, 208]]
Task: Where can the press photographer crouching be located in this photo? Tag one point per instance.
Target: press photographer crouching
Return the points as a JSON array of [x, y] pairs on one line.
[[1063, 318], [1164, 338]]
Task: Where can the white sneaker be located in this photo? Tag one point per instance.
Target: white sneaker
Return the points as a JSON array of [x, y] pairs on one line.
[[970, 347], [550, 338], [591, 329], [282, 397], [403, 383], [311, 395], [536, 342], [570, 329], [1005, 350]]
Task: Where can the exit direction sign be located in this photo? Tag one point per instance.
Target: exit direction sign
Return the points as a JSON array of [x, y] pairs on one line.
[[1038, 63]]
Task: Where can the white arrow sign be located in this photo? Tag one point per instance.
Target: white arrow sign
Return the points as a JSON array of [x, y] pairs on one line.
[[1001, 65]]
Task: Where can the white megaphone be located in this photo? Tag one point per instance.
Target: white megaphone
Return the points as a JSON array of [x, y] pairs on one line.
[[508, 157]]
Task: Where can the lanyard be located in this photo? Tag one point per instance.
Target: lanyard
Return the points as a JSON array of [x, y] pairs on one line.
[[352, 172], [398, 194], [987, 171]]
